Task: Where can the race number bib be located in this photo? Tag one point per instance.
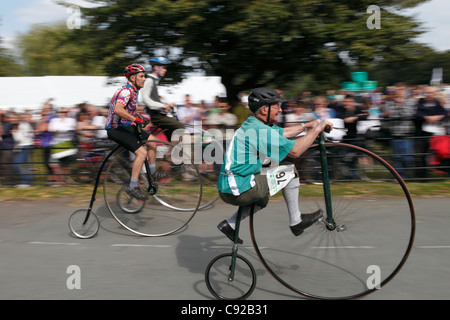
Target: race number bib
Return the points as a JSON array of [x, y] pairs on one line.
[[279, 176]]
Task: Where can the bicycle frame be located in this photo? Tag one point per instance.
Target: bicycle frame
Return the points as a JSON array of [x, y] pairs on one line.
[[329, 221], [331, 225], [97, 180], [235, 245], [151, 187]]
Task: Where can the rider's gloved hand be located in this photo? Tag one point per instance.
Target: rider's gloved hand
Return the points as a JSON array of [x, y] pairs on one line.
[[141, 120]]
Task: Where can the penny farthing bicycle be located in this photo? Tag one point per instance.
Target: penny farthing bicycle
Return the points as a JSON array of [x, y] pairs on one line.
[[175, 194], [358, 246]]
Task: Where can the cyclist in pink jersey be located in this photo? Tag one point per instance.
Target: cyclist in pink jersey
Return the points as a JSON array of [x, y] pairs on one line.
[[121, 126]]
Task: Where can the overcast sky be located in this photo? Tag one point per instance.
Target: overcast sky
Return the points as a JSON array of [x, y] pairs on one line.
[[18, 15]]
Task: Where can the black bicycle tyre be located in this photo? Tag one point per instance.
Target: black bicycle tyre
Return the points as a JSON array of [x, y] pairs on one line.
[[228, 256], [396, 269], [80, 227]]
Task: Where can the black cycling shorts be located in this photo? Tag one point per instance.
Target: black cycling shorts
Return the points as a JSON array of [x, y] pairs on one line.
[[127, 137]]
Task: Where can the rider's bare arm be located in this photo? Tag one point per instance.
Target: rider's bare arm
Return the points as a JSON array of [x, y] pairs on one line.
[[303, 143], [293, 131]]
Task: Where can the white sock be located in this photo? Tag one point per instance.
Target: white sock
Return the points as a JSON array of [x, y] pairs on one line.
[[290, 195], [152, 167]]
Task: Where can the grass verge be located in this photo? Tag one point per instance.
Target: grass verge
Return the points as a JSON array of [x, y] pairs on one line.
[[425, 189]]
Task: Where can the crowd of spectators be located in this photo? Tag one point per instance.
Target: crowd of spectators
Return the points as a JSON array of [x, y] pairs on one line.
[[413, 121], [55, 135]]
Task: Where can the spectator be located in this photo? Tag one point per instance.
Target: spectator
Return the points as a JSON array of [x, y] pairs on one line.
[[429, 121], [204, 111], [85, 130], [224, 118], [307, 99], [23, 144], [284, 109], [215, 106], [370, 127], [241, 110], [189, 114], [63, 129], [98, 120], [398, 117], [297, 113], [8, 122], [44, 138], [321, 110], [351, 115]]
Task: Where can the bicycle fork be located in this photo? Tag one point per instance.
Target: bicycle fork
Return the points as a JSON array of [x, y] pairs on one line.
[[329, 221], [97, 180], [235, 245], [152, 187]]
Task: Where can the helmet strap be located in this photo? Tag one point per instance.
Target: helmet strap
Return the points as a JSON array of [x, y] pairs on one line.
[[267, 121], [157, 72], [134, 81], [268, 116]]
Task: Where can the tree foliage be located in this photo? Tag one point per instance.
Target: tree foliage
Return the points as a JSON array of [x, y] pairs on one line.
[[255, 43], [8, 66], [57, 50], [248, 43]]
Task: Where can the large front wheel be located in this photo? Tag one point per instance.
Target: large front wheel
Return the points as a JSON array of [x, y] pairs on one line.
[[361, 250], [177, 185]]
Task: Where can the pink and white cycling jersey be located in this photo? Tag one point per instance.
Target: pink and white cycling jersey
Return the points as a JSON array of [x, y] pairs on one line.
[[127, 96]]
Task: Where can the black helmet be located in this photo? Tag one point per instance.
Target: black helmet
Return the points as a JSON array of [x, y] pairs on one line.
[[260, 97]]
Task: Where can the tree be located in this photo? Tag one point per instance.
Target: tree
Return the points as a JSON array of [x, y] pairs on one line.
[[57, 50], [414, 70], [253, 43], [8, 66]]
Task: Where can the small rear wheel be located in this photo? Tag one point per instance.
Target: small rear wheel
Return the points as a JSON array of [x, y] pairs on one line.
[[84, 224], [217, 277]]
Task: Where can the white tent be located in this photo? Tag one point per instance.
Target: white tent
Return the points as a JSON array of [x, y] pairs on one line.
[[29, 93]]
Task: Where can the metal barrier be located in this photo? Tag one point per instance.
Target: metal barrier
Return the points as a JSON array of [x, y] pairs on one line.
[[82, 166]]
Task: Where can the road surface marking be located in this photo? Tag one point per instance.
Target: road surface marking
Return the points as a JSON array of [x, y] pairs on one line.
[[344, 247], [433, 247], [140, 245], [58, 243]]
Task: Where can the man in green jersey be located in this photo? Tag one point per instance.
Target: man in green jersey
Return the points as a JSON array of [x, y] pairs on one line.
[[242, 182]]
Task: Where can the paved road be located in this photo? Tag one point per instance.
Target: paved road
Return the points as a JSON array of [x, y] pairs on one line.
[[37, 252]]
